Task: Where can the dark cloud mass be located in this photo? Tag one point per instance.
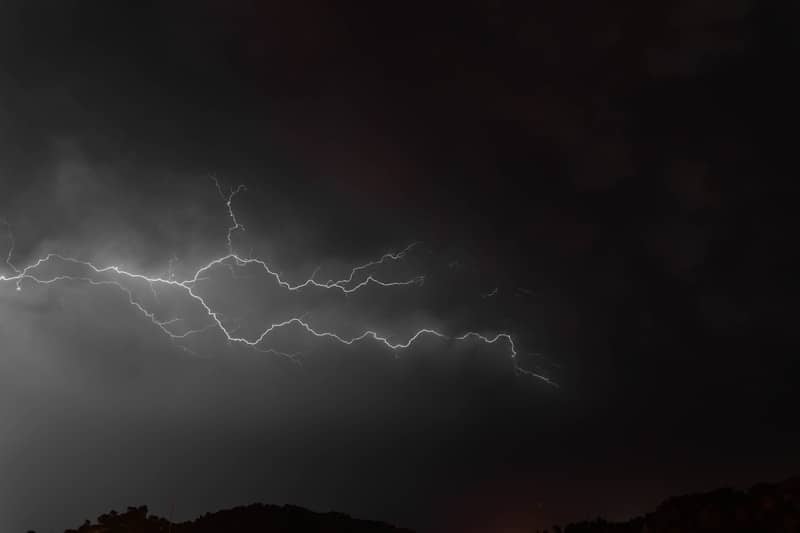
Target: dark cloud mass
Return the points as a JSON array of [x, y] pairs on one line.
[[606, 183]]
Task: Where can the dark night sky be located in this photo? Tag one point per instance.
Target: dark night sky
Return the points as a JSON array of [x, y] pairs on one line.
[[621, 164]]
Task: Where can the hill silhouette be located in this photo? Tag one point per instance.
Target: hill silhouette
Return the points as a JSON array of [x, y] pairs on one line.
[[256, 517], [764, 508]]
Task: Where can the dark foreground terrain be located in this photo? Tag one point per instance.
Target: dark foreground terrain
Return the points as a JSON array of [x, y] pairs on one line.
[[764, 508], [257, 517]]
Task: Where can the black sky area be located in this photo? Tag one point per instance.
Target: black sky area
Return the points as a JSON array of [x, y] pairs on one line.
[[619, 172]]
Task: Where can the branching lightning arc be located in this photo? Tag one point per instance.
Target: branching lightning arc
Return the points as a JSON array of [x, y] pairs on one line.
[[358, 278]]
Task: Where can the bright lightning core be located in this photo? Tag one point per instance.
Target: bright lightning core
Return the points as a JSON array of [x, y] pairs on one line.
[[71, 269]]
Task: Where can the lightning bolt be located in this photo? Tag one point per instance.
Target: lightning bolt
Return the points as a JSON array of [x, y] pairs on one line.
[[120, 278]]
